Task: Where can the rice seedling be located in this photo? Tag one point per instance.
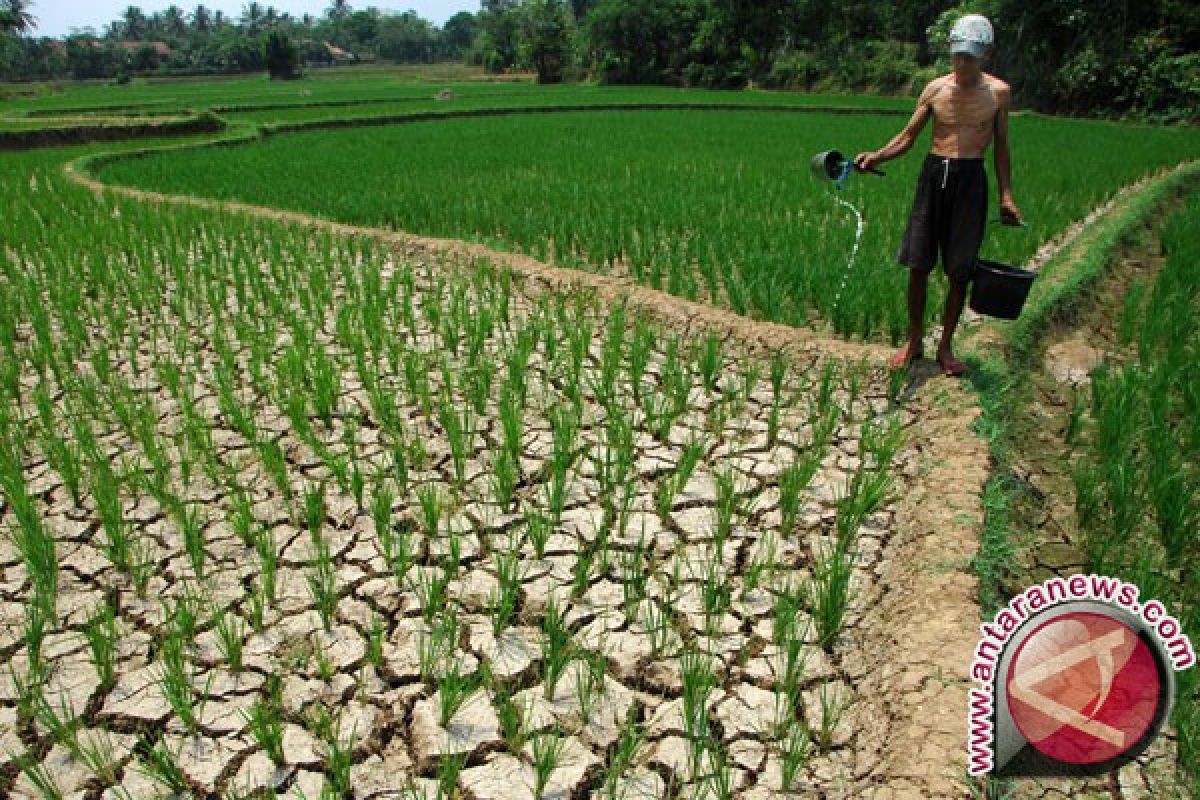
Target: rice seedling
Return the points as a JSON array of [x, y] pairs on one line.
[[454, 690], [241, 515], [506, 597], [28, 686], [41, 778], [557, 647], [590, 685], [720, 775], [795, 749], [231, 633], [35, 544], [505, 478], [437, 645], [65, 458], [829, 593], [400, 464], [95, 751], [358, 483], [268, 559], [34, 634], [538, 528], [275, 463], [511, 411], [314, 509], [708, 361], [659, 627], [546, 753], [669, 487], [565, 426], [191, 523], [375, 638], [59, 722], [698, 680], [635, 577], [142, 566], [457, 428], [322, 581], [257, 601], [730, 505], [339, 759], [581, 572], [512, 720], [325, 378], [867, 491], [716, 595], [156, 761], [176, 680], [265, 721], [452, 560], [100, 630], [833, 708], [449, 768], [762, 562], [624, 753], [431, 587], [430, 509], [793, 480]]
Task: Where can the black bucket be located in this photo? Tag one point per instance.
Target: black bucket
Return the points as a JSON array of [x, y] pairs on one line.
[[999, 290]]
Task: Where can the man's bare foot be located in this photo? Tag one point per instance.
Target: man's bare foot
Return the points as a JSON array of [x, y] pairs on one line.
[[906, 355], [950, 365]]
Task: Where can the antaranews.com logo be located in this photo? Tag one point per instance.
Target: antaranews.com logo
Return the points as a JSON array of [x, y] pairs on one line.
[[1075, 676]]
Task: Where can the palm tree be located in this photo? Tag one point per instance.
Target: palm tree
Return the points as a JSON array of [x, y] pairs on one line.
[[15, 17], [339, 9], [136, 25], [202, 20], [174, 22], [252, 16]]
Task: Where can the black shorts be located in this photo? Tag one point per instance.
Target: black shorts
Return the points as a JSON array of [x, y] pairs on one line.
[[949, 213]]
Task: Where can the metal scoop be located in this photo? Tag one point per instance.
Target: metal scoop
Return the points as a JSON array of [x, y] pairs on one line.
[[832, 165]]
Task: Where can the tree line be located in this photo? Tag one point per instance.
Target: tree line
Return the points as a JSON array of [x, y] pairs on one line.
[[1068, 56]]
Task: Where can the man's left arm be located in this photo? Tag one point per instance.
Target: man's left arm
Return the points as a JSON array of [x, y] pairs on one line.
[[1009, 214]]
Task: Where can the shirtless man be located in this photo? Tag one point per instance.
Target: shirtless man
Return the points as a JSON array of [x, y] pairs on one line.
[[969, 107]]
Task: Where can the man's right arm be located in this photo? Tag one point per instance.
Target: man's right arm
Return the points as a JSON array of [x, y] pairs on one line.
[[902, 142]]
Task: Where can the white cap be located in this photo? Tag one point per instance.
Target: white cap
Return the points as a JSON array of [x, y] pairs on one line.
[[972, 35]]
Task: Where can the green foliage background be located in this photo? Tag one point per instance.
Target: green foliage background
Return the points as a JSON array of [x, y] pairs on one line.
[[1069, 56]]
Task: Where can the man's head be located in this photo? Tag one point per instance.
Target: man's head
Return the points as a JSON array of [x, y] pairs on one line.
[[971, 36]]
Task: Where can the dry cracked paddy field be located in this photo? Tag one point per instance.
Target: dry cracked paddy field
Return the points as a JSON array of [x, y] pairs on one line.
[[522, 539]]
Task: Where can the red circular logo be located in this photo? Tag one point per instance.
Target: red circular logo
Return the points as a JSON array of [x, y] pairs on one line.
[[1083, 688]]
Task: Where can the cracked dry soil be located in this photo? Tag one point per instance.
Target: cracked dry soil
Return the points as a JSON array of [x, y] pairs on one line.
[[880, 706]]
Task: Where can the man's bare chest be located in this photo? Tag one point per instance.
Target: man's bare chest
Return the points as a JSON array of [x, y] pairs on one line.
[[969, 109]]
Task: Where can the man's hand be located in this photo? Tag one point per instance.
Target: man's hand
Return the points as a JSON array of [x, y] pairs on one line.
[[1009, 213], [864, 161]]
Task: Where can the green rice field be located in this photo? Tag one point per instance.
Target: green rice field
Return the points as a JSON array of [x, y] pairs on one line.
[[718, 206]]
